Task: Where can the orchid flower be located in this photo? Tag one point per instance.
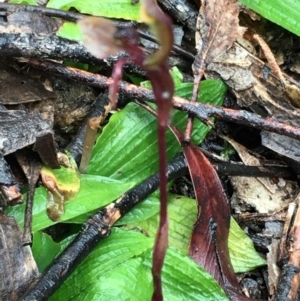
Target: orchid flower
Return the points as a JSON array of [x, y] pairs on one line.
[[103, 39]]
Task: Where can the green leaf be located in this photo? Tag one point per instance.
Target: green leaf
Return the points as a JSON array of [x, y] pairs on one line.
[[111, 271], [184, 280], [284, 13], [119, 9], [182, 215], [141, 211], [77, 65], [242, 252], [44, 249], [95, 192], [176, 76], [71, 31], [23, 2], [127, 147], [119, 268]]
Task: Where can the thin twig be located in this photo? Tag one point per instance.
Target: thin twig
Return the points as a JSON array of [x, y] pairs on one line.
[[199, 110]]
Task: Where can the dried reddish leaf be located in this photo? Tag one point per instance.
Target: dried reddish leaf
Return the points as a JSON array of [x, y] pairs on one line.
[[217, 29], [209, 241]]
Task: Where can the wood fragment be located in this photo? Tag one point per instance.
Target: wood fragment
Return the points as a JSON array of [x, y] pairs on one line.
[[11, 194], [98, 109], [282, 250], [289, 281], [182, 11], [31, 166], [270, 57], [17, 266], [90, 137]]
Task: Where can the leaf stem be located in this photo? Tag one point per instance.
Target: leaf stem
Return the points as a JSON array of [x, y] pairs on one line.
[[161, 241]]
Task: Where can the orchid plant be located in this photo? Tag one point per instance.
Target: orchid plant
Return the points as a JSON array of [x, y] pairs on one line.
[[103, 39]]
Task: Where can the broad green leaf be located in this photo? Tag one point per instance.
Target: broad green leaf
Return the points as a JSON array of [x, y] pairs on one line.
[[71, 31], [242, 252], [127, 147], [184, 280], [119, 268], [182, 214], [176, 76], [119, 9], [23, 2], [128, 281], [284, 13], [95, 192], [44, 249], [107, 264], [141, 211]]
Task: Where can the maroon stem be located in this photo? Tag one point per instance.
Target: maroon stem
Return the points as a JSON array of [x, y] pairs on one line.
[[161, 241], [190, 121]]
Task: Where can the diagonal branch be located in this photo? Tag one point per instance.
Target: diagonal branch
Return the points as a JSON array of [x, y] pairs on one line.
[[199, 110]]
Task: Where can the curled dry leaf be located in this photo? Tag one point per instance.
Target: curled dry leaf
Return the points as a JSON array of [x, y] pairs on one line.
[[63, 184]]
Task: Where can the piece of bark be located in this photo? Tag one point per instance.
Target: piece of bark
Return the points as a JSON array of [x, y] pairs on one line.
[[289, 281], [273, 269], [17, 266], [6, 176], [282, 250], [98, 109], [73, 102], [182, 11], [19, 88], [13, 135], [11, 194], [25, 21], [31, 166]]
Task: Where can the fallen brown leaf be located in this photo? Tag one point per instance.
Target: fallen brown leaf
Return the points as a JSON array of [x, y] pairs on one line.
[[217, 29]]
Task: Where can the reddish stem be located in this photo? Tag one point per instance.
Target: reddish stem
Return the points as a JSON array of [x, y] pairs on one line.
[[190, 122], [161, 241]]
